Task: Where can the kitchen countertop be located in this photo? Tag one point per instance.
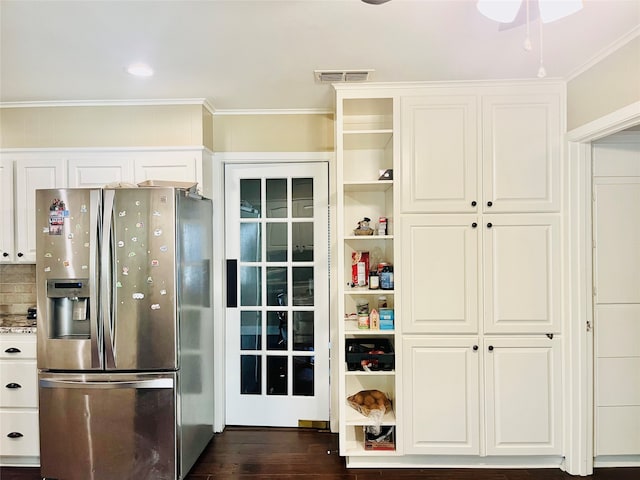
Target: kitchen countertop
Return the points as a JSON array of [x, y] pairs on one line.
[[10, 323]]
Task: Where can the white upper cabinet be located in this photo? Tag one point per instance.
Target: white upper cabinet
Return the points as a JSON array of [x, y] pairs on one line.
[[521, 267], [521, 153], [30, 175], [179, 167], [439, 154], [6, 209], [471, 150], [91, 172]]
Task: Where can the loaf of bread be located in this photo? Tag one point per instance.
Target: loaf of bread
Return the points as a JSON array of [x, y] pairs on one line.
[[367, 400]]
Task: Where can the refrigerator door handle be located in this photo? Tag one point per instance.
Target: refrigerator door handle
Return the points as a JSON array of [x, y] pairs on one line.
[[106, 283], [138, 384], [94, 287]]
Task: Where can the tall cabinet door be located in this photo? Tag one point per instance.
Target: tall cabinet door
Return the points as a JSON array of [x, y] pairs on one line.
[[30, 176], [440, 279], [523, 399], [521, 273], [439, 154], [521, 153], [441, 395], [6, 209]]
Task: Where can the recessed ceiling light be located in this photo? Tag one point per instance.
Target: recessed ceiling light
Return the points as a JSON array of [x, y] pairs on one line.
[[140, 70]]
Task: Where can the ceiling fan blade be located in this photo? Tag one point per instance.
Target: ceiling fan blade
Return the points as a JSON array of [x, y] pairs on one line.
[[521, 17]]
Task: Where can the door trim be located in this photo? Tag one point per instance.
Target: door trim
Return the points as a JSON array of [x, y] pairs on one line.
[[219, 160], [579, 354]]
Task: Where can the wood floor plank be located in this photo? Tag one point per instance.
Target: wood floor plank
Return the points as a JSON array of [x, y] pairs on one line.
[[299, 454]]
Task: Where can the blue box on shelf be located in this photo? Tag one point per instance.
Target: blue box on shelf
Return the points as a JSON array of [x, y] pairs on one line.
[[386, 319]]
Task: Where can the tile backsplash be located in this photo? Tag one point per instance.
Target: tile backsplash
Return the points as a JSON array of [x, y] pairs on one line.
[[17, 288]]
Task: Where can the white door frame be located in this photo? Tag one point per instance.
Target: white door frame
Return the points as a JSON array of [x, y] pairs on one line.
[[216, 174], [579, 356]]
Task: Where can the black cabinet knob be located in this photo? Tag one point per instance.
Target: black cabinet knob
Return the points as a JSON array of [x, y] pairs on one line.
[[475, 347], [20, 254], [474, 203], [489, 225], [5, 254], [15, 435], [491, 348], [12, 350], [489, 204], [13, 385], [474, 225]]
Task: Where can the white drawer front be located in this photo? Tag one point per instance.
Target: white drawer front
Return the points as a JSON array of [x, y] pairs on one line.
[[17, 346], [18, 384], [23, 427]]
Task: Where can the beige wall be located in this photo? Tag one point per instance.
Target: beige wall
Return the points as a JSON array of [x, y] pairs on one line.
[[105, 126], [607, 86], [273, 133]]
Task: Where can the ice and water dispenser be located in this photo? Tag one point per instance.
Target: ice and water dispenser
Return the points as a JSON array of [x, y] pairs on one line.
[[68, 306]]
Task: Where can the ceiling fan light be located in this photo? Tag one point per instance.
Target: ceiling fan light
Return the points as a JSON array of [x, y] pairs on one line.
[[503, 11], [140, 70], [552, 10]]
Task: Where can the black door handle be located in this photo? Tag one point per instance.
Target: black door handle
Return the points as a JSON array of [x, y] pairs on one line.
[[15, 435], [13, 385], [12, 350]]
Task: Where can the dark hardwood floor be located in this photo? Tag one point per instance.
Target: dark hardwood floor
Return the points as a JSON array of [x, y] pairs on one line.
[[296, 454]]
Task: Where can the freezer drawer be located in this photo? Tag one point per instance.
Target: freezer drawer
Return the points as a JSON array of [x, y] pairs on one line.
[[108, 426]]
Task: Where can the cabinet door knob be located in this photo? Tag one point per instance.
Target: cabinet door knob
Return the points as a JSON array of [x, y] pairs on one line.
[[5, 254], [475, 347], [491, 348], [15, 435], [13, 385], [12, 350], [474, 225], [20, 254], [474, 203], [489, 225], [489, 204]]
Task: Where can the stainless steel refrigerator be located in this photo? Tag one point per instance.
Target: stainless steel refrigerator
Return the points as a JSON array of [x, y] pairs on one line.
[[125, 326]]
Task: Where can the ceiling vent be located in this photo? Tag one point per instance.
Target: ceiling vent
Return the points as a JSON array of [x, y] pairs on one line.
[[335, 76]]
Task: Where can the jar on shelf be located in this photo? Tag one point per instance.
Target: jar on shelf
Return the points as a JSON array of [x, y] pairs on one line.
[[386, 278], [374, 280]]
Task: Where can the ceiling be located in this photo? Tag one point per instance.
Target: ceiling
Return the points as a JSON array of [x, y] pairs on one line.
[[255, 55]]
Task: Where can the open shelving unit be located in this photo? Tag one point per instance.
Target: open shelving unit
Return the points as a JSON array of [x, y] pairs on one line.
[[364, 148]]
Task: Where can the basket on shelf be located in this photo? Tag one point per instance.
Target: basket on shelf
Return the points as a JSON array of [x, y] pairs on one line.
[[358, 231]]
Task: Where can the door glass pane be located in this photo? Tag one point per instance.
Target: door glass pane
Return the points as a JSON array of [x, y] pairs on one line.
[[303, 331], [276, 242], [302, 197], [250, 198], [276, 375], [277, 286], [277, 333], [250, 286], [302, 239], [303, 376], [250, 330], [277, 197], [250, 374], [302, 286], [250, 239]]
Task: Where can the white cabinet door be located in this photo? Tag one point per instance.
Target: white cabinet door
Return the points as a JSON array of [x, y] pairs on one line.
[[439, 154], [6, 210], [177, 167], [523, 396], [30, 176], [98, 172], [521, 153], [441, 395], [521, 269], [440, 273]]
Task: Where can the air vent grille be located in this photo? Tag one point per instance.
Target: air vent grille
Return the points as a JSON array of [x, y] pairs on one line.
[[335, 76]]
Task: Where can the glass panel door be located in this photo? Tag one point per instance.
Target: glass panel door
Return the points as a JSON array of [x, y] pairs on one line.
[[277, 337]]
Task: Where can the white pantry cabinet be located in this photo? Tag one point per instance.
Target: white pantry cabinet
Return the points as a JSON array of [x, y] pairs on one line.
[[19, 436], [518, 273], [7, 238], [471, 150], [448, 380]]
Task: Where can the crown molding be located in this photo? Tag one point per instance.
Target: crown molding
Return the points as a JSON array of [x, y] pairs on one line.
[[111, 103], [284, 111]]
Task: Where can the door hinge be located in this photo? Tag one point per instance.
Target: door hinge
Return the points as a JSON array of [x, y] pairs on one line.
[[588, 325]]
